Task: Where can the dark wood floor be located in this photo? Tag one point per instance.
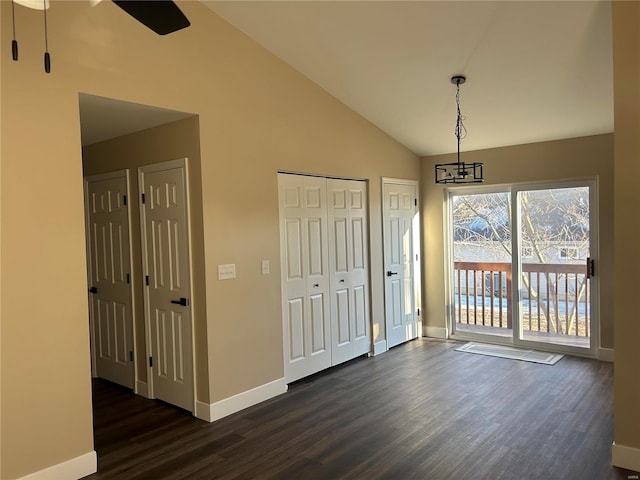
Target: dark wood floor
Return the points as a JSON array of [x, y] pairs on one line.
[[419, 411]]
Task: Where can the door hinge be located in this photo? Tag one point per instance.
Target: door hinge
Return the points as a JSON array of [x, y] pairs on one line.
[[124, 199], [151, 361], [415, 202], [146, 280], [128, 278], [591, 267], [143, 198], [131, 355], [418, 312]]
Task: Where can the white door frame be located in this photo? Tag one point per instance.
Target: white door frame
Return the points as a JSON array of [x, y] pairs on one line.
[[96, 178], [178, 163], [417, 254]]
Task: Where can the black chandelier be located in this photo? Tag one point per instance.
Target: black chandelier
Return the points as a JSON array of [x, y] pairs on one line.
[[459, 172]]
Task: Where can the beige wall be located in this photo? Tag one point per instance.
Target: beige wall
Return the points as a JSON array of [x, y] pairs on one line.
[[626, 59], [586, 157], [256, 115], [179, 139]]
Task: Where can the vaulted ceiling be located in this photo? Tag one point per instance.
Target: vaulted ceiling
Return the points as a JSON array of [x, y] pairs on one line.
[[535, 70]]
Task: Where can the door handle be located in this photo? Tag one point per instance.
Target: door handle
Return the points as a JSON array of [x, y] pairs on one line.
[[389, 273], [183, 301], [342, 280], [93, 290], [316, 285]]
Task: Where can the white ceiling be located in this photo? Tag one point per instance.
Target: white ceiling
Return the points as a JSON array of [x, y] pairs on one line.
[[535, 70], [105, 118]]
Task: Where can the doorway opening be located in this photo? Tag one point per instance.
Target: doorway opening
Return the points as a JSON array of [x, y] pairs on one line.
[[522, 266], [401, 233], [120, 140]]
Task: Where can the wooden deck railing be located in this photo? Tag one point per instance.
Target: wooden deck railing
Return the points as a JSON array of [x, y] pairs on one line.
[[555, 296]]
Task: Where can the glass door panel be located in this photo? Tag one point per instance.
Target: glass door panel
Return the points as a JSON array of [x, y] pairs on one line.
[[482, 263], [554, 288]]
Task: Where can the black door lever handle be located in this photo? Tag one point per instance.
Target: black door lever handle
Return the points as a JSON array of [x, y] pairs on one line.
[[183, 301], [389, 273]]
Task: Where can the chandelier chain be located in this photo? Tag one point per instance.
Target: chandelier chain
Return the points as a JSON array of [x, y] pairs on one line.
[[461, 130]]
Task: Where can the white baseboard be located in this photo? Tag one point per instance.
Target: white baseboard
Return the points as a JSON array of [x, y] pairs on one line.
[[605, 354], [142, 388], [203, 411], [625, 457], [379, 347], [228, 406], [73, 469], [436, 332]]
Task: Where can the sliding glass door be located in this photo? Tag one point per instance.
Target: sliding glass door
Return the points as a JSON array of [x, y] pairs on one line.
[[522, 268], [555, 255], [482, 263]]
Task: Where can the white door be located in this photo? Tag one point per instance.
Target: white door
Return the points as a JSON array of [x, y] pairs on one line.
[[166, 257], [349, 277], [109, 274], [399, 210], [305, 280]]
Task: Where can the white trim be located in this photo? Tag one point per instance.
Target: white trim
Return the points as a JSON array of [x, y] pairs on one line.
[[625, 457], [436, 332], [73, 469], [379, 347], [142, 388], [605, 354], [240, 401], [203, 411]]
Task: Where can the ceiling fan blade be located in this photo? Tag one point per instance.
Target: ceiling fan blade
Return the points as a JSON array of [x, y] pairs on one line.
[[161, 16]]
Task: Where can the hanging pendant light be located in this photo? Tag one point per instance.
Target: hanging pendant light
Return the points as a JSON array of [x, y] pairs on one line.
[[459, 172]]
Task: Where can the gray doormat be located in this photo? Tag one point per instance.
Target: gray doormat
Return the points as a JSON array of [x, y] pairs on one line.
[[510, 352]]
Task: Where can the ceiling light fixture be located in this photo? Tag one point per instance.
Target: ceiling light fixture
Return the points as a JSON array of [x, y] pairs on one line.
[[459, 172]]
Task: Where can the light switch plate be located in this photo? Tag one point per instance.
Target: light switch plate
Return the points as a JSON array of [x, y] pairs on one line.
[[265, 267], [227, 272]]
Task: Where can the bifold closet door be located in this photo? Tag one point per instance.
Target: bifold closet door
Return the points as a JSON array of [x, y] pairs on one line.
[[305, 278], [348, 267]]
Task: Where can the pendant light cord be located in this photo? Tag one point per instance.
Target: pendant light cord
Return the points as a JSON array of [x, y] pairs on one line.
[[47, 57], [14, 42], [46, 41], [13, 17], [461, 131]]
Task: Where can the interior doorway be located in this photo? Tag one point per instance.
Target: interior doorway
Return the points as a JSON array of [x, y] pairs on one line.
[[122, 136], [166, 257], [401, 231], [109, 277]]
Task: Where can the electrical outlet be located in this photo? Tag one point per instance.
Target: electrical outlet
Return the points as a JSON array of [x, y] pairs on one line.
[[265, 267]]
